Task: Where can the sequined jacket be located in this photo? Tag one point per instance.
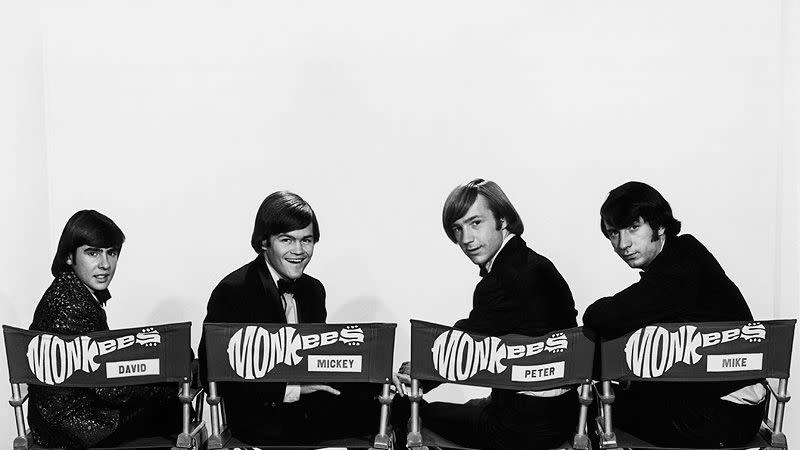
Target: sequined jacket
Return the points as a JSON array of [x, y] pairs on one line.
[[78, 417]]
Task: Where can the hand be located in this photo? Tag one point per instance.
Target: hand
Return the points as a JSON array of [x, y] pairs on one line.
[[402, 378], [311, 388]]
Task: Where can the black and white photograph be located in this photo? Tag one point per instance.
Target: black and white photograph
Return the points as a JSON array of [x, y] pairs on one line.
[[426, 225]]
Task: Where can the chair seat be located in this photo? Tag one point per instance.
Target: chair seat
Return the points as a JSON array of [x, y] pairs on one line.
[[357, 442], [152, 442], [432, 439], [627, 440]]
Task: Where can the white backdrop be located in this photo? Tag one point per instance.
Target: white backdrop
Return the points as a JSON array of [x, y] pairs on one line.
[[177, 118]]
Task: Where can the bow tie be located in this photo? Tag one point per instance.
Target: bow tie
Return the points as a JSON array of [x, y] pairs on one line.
[[286, 287], [102, 296]]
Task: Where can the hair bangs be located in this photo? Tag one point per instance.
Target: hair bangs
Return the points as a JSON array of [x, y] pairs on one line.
[[457, 204]]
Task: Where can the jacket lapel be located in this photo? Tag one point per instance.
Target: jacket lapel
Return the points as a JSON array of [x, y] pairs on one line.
[[270, 306]]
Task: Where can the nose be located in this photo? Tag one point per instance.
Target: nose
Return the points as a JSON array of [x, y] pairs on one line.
[[297, 248], [624, 240], [466, 236], [104, 261]]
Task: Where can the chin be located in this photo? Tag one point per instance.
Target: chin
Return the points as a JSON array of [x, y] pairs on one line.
[[478, 261], [294, 275]]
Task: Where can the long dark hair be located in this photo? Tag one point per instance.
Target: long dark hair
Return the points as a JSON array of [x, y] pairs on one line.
[[463, 196], [634, 199], [86, 227], [280, 212]]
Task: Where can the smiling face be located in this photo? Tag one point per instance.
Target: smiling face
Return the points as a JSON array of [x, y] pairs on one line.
[[638, 244], [289, 253], [477, 233], [94, 266]]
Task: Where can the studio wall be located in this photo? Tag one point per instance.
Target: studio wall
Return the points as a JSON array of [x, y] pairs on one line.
[[177, 118]]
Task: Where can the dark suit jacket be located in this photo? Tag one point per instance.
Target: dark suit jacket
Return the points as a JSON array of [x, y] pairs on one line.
[[523, 294], [250, 295], [80, 417], [684, 283]]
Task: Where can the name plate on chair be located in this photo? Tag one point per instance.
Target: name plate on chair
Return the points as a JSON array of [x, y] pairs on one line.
[[441, 353], [701, 351], [157, 353], [299, 352]]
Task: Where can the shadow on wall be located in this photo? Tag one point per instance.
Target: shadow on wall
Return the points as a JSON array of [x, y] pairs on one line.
[[359, 309]]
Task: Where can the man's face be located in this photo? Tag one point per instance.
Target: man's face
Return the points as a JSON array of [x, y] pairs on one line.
[[289, 253], [635, 244], [477, 234], [94, 266]]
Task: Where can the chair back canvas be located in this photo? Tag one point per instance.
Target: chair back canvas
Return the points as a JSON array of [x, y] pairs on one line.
[[702, 351], [152, 354], [300, 353], [445, 354]]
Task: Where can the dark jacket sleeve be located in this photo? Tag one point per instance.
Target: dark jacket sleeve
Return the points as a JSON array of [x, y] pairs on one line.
[[224, 306], [494, 310], [659, 295], [531, 301]]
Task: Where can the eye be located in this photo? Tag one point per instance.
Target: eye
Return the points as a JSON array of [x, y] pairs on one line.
[[113, 252], [93, 253], [307, 241], [476, 222], [612, 233], [284, 240], [634, 227]]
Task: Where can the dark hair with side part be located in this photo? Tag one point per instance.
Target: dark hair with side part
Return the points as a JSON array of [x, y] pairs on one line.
[[85, 227], [463, 196], [632, 200], [280, 212]]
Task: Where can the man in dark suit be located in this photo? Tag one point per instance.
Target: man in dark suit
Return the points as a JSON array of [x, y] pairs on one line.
[[520, 292], [681, 281], [273, 288]]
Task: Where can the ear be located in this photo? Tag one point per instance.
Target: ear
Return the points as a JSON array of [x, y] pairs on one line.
[[661, 231], [503, 223], [69, 260], [264, 244]]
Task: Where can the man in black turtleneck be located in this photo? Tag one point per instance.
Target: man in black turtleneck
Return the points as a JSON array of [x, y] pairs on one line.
[[681, 281]]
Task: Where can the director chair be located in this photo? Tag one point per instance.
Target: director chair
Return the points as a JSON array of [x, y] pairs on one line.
[[133, 356], [298, 353], [699, 352], [443, 354]]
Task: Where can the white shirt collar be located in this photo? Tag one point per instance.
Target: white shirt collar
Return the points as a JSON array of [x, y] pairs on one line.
[[489, 264], [274, 273]]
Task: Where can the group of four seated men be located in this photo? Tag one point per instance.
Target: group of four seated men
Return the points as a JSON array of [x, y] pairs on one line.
[[520, 292]]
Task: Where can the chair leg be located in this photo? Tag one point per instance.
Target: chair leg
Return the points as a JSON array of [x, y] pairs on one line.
[[215, 440], [383, 440], [774, 431], [414, 439], [192, 433], [581, 439], [607, 437], [21, 440]]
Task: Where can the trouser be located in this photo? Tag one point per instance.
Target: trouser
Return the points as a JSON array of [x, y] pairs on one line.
[[679, 419], [317, 417], [506, 420], [159, 419]]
